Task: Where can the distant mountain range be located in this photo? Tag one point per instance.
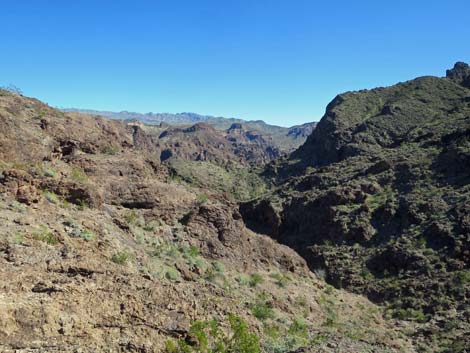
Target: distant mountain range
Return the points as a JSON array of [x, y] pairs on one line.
[[286, 139]]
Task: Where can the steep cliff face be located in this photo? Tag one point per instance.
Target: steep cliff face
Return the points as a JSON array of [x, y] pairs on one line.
[[378, 198], [102, 249]]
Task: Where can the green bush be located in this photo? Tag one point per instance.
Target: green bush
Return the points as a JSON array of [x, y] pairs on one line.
[[150, 226], [329, 308], [280, 340], [110, 150], [209, 338], [172, 274], [255, 279], [411, 314], [189, 252], [261, 309], [45, 235], [18, 238], [82, 205], [462, 278], [120, 258], [87, 235], [243, 279], [49, 173], [130, 216], [298, 327], [17, 207], [281, 280], [218, 266], [51, 197], [78, 175], [202, 199]]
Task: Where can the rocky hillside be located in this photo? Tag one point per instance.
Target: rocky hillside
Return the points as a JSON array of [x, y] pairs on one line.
[[201, 142], [281, 138], [377, 200], [104, 249]]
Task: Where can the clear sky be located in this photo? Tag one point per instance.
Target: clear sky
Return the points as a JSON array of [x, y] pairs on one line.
[[277, 60]]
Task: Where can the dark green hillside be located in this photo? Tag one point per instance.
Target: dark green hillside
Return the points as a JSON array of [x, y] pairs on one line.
[[379, 199]]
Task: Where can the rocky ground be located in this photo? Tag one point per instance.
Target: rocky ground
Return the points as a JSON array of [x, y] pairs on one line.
[[104, 248]]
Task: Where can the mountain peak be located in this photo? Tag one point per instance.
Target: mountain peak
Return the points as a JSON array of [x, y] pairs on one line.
[[460, 73]]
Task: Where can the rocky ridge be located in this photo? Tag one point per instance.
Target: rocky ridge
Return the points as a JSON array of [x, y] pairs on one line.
[[377, 200], [281, 138]]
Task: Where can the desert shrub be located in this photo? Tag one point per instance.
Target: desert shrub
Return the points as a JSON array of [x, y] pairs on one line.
[[200, 263], [301, 301], [18, 238], [189, 251], [41, 114], [12, 89], [243, 279], [17, 207], [282, 340], [411, 314], [172, 251], [82, 205], [74, 230], [202, 199], [281, 280], [172, 274], [45, 235], [51, 197], [320, 273], [110, 150], [87, 235], [462, 278], [255, 279], [210, 275], [208, 337], [78, 175], [298, 327], [218, 266], [329, 308], [261, 309], [150, 226], [120, 257], [50, 173], [130, 216]]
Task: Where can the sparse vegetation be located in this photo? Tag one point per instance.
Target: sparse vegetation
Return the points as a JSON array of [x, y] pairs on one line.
[[51, 197], [46, 235], [50, 173], [120, 258], [110, 150], [172, 274], [255, 279], [78, 175], [411, 314], [209, 337], [202, 199], [11, 88], [281, 279], [261, 309]]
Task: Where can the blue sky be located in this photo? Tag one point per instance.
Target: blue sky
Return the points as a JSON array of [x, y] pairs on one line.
[[280, 61]]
